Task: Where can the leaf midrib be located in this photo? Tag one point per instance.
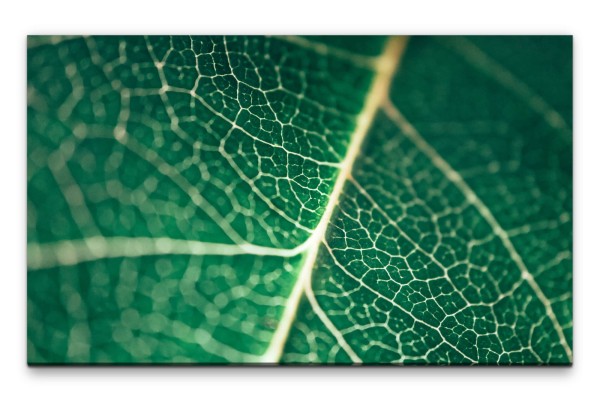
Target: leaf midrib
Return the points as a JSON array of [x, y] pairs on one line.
[[385, 66]]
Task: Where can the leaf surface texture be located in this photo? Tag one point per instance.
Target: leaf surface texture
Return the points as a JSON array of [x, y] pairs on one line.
[[299, 199]]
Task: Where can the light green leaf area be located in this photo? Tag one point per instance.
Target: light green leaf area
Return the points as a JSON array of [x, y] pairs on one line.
[[299, 200]]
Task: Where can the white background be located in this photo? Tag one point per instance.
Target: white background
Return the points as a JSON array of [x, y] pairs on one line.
[[17, 381]]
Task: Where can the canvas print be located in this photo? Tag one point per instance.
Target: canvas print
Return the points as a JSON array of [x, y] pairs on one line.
[[299, 200]]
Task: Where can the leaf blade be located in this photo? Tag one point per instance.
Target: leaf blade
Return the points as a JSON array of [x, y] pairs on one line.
[[397, 276], [449, 242]]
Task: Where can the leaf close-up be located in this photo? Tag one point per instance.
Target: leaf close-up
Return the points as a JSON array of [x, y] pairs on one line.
[[306, 199]]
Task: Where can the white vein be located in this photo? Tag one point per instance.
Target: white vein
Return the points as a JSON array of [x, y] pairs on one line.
[[73, 252]]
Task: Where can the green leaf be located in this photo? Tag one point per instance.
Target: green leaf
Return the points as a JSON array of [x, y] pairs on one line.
[[299, 199]]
